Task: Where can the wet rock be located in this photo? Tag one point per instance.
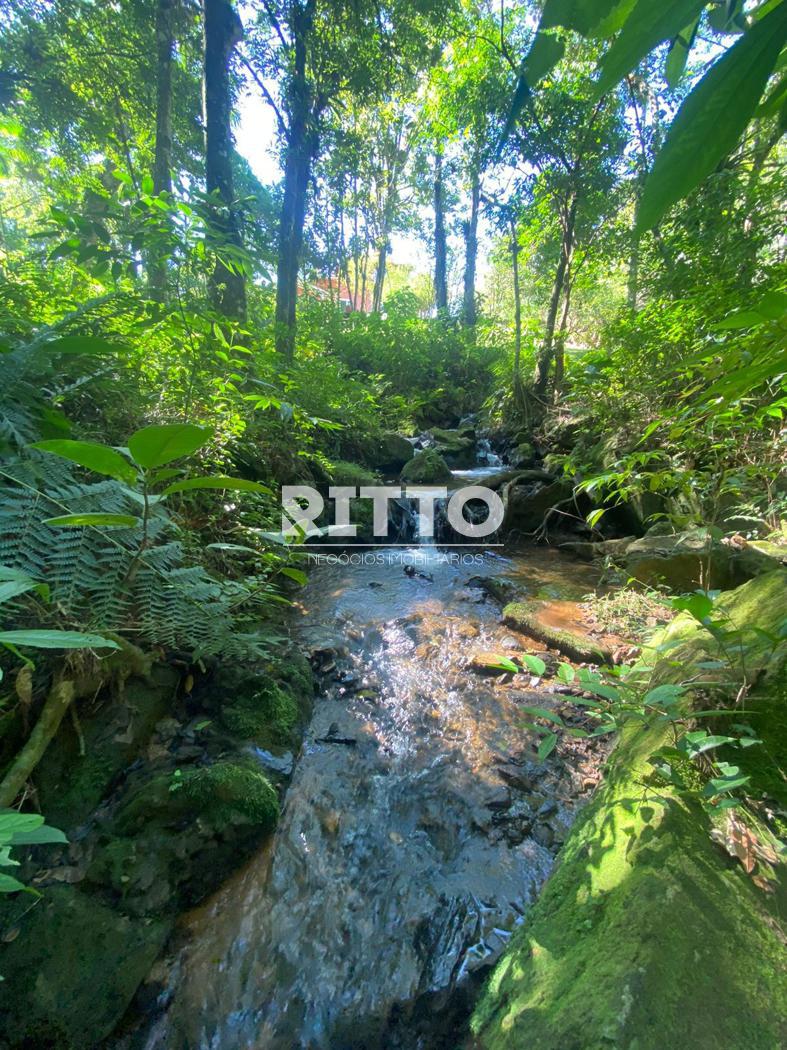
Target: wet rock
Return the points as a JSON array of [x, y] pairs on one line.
[[426, 468], [544, 835], [457, 447], [501, 799], [390, 453], [679, 561], [487, 662], [533, 618], [282, 764], [527, 505], [546, 809]]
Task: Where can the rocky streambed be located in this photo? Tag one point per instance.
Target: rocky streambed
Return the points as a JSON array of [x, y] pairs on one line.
[[418, 827]]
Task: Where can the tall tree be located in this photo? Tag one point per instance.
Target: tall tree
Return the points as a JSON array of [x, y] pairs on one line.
[[162, 160], [223, 31], [322, 53], [440, 240]]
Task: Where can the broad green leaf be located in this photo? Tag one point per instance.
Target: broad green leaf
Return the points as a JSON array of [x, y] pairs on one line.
[[582, 15], [57, 640], [542, 712], [81, 344], [697, 743], [545, 53], [13, 822], [566, 673], [700, 606], [125, 521], [503, 663], [15, 587], [41, 836], [295, 574], [100, 458], [533, 663], [595, 516], [218, 482], [8, 884], [713, 117], [679, 53], [159, 444], [648, 25], [547, 746]]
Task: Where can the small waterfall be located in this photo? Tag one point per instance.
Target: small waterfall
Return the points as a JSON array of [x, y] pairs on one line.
[[485, 455]]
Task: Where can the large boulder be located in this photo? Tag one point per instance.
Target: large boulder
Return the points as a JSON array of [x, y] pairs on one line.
[[687, 560], [527, 505], [389, 453], [457, 447], [427, 468], [657, 928]]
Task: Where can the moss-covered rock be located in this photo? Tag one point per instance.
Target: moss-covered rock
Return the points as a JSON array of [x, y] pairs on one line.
[[74, 775], [344, 473], [647, 935], [72, 968], [457, 447], [532, 619], [269, 716], [427, 468], [225, 790], [389, 453], [528, 504], [684, 561]]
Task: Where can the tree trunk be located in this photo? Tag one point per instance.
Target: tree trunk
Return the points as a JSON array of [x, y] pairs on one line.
[[560, 342], [471, 253], [440, 245], [546, 353], [60, 697], [162, 161], [379, 278], [517, 302], [223, 31], [301, 148]]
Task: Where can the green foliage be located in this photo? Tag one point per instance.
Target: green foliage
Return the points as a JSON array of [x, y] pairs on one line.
[[21, 829], [267, 716], [225, 790]]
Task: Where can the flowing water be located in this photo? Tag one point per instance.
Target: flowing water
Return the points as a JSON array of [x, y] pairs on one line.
[[417, 829]]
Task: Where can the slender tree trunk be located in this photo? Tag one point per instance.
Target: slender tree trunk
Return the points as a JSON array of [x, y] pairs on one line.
[[560, 342], [162, 161], [440, 244], [364, 272], [546, 353], [223, 31], [517, 303], [471, 253], [301, 148], [379, 278]]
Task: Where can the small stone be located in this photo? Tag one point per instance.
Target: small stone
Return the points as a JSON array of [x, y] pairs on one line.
[[546, 809]]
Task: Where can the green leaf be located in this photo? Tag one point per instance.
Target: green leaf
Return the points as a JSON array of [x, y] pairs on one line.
[[295, 574], [582, 15], [646, 27], [12, 822], [544, 54], [57, 640], [566, 673], [159, 444], [698, 605], [533, 663], [713, 117], [100, 458], [8, 884], [125, 521], [42, 836], [15, 587], [679, 53], [217, 481], [81, 344], [542, 712], [547, 746], [595, 516], [503, 663], [696, 743]]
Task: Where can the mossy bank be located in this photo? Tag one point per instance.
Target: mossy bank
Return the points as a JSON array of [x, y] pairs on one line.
[[649, 934], [163, 790]]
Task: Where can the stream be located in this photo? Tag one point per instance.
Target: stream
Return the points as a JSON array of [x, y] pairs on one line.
[[417, 830]]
